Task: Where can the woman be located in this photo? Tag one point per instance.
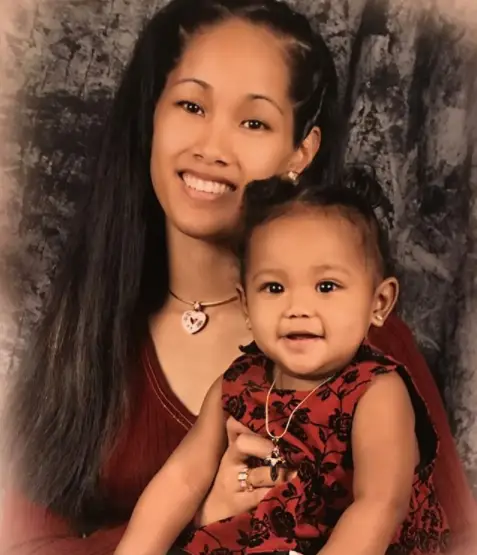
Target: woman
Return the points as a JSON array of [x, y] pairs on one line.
[[198, 115]]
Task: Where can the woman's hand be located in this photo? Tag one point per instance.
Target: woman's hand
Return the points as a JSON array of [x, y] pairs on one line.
[[226, 498]]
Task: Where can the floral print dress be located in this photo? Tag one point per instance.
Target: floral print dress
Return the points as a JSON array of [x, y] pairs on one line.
[[301, 514]]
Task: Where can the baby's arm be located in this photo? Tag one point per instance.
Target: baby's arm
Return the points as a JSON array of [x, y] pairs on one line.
[[174, 495], [385, 454]]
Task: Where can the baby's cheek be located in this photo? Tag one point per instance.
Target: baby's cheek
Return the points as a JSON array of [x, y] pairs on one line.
[[352, 327], [261, 324]]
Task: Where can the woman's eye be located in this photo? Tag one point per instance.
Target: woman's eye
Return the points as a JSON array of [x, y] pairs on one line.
[[190, 107], [273, 288], [255, 125], [327, 286]]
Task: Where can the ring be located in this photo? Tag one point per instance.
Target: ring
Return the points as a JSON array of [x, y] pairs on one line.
[[242, 478]]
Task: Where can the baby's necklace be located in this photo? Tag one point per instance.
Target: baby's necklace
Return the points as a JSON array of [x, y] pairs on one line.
[[276, 459]]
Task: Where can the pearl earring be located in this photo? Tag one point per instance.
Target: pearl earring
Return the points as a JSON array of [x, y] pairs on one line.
[[293, 177]]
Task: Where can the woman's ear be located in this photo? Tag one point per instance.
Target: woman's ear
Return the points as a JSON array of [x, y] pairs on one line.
[[306, 151], [385, 299]]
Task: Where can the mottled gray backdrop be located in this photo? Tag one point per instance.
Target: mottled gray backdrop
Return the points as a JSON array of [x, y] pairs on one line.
[[407, 77]]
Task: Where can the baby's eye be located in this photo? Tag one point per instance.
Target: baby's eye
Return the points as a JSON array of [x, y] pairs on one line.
[[273, 288], [327, 286]]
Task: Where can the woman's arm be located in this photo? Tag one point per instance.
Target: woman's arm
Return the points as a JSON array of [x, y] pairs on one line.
[[174, 495], [385, 455]]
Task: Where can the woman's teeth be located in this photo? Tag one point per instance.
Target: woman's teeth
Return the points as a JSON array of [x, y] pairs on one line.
[[213, 187]]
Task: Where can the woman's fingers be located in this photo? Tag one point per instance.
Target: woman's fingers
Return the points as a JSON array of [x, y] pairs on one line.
[[236, 488], [234, 429], [243, 443], [262, 483], [248, 445], [252, 499], [248, 500], [261, 478]]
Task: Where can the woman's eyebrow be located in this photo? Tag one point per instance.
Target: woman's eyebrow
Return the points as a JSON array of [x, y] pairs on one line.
[[254, 96], [199, 82], [249, 96]]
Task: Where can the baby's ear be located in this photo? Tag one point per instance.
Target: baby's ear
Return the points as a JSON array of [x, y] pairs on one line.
[[385, 299], [242, 297]]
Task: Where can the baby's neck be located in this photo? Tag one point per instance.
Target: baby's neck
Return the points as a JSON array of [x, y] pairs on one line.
[[285, 379]]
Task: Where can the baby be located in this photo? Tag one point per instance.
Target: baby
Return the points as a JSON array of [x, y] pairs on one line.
[[315, 277]]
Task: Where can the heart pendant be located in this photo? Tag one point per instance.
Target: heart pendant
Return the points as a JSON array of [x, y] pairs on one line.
[[193, 321]]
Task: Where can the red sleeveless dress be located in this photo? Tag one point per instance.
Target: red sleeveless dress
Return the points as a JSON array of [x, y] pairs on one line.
[[301, 514]]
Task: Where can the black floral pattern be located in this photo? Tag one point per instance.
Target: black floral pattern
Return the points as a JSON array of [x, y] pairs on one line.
[[340, 423], [258, 413], [318, 445], [259, 531], [234, 372], [236, 407], [283, 523], [307, 470], [351, 376]]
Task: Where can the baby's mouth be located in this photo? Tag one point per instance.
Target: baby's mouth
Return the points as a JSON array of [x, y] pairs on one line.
[[302, 336]]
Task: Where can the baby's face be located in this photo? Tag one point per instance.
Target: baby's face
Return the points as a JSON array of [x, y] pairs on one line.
[[310, 291]]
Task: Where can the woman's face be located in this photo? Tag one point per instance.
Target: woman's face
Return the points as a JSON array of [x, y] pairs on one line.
[[223, 120]]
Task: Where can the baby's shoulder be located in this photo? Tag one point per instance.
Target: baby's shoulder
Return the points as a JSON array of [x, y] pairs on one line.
[[252, 363], [370, 359]]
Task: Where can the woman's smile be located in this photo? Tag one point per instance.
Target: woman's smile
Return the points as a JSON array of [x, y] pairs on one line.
[[206, 187]]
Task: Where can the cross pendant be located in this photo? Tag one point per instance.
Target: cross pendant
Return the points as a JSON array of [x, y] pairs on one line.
[[274, 461]]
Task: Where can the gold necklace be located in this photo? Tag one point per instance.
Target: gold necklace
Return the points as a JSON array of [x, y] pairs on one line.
[[276, 459], [196, 319]]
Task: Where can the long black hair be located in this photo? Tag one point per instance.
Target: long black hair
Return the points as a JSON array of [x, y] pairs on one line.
[[71, 394]]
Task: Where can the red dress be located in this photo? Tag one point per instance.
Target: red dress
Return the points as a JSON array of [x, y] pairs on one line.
[[158, 426], [301, 514]]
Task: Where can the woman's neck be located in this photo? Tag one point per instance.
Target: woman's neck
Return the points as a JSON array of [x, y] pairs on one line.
[[199, 270]]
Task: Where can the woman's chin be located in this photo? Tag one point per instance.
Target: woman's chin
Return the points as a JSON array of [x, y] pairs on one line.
[[203, 230]]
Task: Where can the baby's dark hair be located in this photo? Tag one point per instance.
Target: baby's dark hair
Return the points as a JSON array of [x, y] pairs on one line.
[[356, 194]]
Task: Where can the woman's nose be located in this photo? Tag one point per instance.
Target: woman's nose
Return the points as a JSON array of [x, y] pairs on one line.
[[212, 146]]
